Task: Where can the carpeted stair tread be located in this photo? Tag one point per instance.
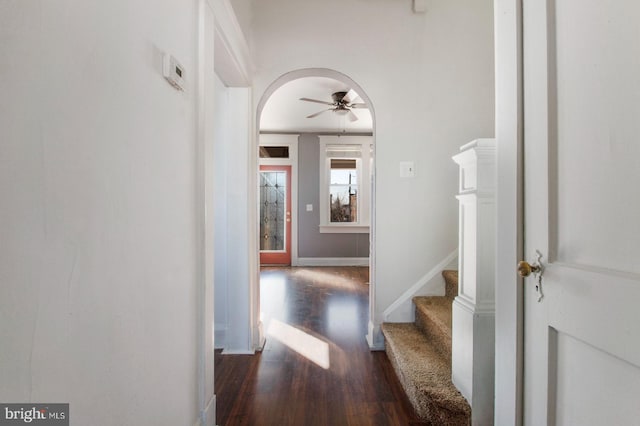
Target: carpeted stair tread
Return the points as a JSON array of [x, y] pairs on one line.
[[433, 318], [451, 283], [425, 375], [437, 308]]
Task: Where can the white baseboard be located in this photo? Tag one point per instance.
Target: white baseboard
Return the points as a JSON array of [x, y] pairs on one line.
[[219, 336], [209, 414], [473, 354], [374, 337], [333, 261], [237, 352], [430, 284]]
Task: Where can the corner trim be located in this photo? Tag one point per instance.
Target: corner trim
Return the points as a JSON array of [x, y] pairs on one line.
[[229, 33], [467, 305]]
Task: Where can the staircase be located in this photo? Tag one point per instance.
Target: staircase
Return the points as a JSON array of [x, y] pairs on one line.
[[420, 353]]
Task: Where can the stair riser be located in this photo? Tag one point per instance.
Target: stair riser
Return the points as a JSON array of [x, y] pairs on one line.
[[450, 283], [439, 335]]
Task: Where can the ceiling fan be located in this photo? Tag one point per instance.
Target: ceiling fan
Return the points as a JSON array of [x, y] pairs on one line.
[[342, 104]]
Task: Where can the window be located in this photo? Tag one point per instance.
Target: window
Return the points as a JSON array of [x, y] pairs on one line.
[[274, 152], [345, 179], [343, 190]]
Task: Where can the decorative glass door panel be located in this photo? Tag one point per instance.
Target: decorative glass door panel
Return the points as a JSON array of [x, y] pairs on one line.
[[272, 210], [275, 215]]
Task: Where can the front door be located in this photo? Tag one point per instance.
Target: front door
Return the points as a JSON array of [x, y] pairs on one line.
[[581, 79], [275, 215]]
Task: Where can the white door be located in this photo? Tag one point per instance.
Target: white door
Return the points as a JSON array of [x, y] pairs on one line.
[[582, 211]]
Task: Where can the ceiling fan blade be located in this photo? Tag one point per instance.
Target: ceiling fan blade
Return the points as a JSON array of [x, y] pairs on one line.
[[351, 96], [352, 116], [316, 101], [361, 106], [318, 113]]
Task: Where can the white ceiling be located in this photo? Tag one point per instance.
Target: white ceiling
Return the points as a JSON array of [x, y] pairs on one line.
[[285, 112]]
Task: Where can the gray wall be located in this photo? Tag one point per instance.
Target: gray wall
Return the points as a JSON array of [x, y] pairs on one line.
[[311, 243]]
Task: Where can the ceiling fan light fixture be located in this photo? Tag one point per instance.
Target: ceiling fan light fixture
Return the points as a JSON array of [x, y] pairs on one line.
[[342, 104], [338, 97]]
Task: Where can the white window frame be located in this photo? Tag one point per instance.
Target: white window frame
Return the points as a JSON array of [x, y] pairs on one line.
[[340, 147]]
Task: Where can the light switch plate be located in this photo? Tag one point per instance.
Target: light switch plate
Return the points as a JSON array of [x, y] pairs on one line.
[[309, 207]]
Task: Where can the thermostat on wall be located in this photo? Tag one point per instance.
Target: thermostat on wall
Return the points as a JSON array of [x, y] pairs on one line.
[[173, 71]]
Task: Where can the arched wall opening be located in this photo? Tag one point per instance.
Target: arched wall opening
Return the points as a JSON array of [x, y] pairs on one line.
[[257, 330]]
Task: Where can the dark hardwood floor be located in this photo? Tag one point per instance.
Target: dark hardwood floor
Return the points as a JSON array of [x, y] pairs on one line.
[[316, 367]]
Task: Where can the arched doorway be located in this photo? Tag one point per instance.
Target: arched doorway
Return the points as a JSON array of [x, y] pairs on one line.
[[343, 131]]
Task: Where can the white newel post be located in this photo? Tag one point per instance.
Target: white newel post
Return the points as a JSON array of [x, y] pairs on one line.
[[473, 331]]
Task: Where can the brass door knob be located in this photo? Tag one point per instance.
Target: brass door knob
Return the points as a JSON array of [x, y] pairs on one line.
[[525, 268]]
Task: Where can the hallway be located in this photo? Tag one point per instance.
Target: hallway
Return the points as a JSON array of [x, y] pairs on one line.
[[316, 367]]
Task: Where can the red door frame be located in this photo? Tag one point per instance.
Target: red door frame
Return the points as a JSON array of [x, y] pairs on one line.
[[280, 257]]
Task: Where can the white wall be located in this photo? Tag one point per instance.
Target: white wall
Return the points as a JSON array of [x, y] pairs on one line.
[[231, 209], [244, 14], [238, 339], [430, 78], [98, 274], [220, 214], [206, 126]]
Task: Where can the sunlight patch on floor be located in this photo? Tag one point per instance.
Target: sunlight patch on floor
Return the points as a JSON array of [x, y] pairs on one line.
[[273, 293], [343, 317], [326, 278], [275, 287], [312, 348]]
